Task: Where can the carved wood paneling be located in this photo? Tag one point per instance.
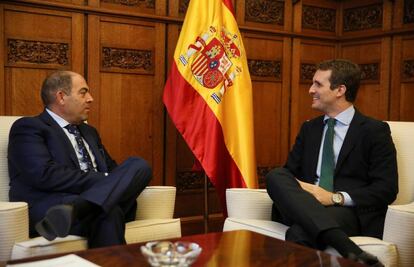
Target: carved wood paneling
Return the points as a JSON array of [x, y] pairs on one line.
[[265, 11], [183, 6], [265, 68], [363, 18], [37, 52], [318, 18], [408, 11], [127, 59], [190, 180], [132, 3], [307, 70], [370, 72], [194, 180], [408, 70]]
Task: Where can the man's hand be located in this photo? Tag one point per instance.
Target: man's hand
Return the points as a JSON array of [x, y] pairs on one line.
[[323, 196]]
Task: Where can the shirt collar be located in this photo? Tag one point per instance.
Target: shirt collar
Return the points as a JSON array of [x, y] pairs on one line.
[[345, 117], [59, 120]]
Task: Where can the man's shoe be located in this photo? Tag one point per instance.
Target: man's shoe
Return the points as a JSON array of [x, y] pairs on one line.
[[56, 223], [366, 258]]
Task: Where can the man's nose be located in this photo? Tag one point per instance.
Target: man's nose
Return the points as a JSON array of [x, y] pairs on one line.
[[89, 98], [311, 90]]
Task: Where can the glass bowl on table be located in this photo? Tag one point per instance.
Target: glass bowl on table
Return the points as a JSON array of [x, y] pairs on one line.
[[165, 253]]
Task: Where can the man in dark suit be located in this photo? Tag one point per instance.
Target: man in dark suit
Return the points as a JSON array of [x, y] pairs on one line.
[[341, 173], [58, 165]]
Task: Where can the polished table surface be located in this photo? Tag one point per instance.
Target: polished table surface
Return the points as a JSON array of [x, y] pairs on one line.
[[234, 248]]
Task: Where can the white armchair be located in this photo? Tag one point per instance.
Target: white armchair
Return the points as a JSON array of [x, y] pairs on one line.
[[251, 209], [154, 218]]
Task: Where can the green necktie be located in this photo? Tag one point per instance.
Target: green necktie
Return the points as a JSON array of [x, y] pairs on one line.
[[328, 161]]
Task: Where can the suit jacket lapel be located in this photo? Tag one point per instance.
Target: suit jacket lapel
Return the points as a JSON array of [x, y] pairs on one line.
[[92, 142], [350, 139], [59, 131]]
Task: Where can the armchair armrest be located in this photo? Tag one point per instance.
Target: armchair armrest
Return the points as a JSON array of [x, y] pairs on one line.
[[399, 229], [156, 202], [14, 226], [246, 203]]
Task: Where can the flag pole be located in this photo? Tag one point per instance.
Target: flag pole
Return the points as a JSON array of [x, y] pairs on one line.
[[205, 217]]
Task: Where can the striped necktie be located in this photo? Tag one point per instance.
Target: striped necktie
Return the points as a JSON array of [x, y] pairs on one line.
[[86, 159]]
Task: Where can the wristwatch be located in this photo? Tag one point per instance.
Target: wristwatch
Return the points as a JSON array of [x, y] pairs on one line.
[[337, 199]]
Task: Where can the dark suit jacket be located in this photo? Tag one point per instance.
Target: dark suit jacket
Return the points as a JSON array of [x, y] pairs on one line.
[[43, 167], [366, 168]]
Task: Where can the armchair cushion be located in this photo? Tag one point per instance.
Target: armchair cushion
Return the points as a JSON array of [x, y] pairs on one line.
[[265, 227], [152, 229], [156, 202], [255, 203], [14, 226], [399, 229], [41, 246]]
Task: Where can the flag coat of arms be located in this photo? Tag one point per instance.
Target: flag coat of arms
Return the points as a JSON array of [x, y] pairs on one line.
[[208, 95]]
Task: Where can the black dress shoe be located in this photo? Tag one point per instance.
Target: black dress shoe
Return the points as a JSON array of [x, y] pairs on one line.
[[56, 223], [366, 258]]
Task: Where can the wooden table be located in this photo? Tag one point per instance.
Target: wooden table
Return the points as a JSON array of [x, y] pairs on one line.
[[235, 248]]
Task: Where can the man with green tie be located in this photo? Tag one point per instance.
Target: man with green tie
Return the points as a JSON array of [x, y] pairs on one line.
[[341, 173]]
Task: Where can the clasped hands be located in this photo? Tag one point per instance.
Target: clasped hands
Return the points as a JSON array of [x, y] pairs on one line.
[[323, 196]]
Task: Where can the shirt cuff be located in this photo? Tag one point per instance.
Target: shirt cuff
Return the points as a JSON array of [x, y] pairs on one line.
[[347, 199]]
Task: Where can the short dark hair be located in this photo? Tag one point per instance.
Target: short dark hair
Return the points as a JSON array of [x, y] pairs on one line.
[[60, 80], [343, 72]]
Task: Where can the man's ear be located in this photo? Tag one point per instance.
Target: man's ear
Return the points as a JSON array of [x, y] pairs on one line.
[[60, 97], [341, 90]]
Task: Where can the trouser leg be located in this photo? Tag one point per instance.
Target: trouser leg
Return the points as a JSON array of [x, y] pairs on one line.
[[109, 190], [311, 223], [141, 179], [345, 218], [131, 178], [296, 205], [107, 229]]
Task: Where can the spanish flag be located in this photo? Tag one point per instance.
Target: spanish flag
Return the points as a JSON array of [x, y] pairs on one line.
[[208, 95]]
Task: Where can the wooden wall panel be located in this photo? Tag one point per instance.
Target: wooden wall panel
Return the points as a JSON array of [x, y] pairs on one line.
[[373, 57], [316, 17], [402, 81], [407, 79], [147, 6], [78, 2], [362, 18], [268, 14], [267, 57], [171, 132], [37, 42], [129, 7], [307, 54], [128, 96]]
